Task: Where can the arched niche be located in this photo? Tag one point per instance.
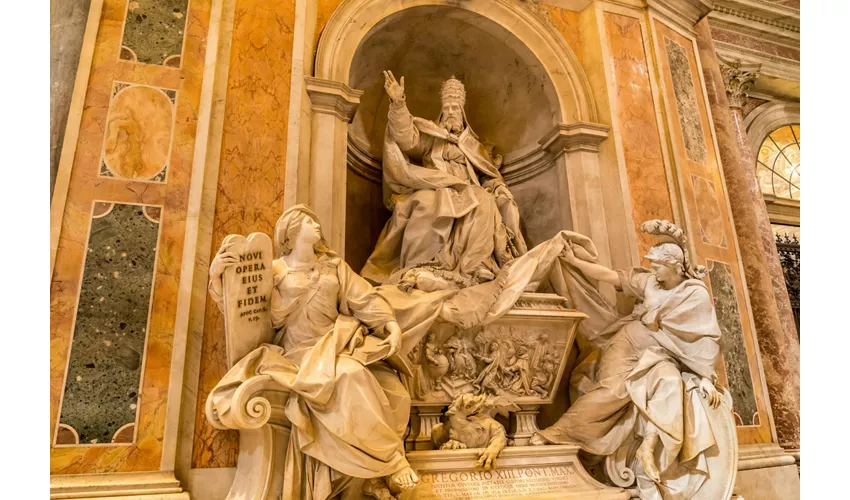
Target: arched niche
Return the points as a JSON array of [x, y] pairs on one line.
[[510, 101], [526, 94]]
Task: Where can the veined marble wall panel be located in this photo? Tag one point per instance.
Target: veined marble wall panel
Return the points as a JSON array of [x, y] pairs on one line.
[[756, 44], [251, 177], [154, 31], [84, 188], [734, 351], [709, 221], [686, 101], [103, 375], [637, 125]]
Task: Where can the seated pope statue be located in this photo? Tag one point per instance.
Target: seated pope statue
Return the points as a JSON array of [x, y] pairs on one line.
[[454, 222], [348, 416]]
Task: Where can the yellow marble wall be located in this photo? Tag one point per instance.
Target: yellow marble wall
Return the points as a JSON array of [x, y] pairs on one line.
[[567, 23], [251, 176], [324, 10], [704, 203], [85, 187], [637, 125]]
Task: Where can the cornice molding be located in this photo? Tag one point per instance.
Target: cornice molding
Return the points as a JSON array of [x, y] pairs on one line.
[[578, 136], [773, 34], [334, 98], [750, 16], [685, 13], [774, 66], [519, 166]]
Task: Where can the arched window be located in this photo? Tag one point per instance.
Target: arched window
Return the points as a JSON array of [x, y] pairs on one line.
[[778, 165]]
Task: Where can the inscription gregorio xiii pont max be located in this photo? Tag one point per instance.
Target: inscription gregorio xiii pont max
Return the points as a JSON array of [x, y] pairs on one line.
[[498, 483]]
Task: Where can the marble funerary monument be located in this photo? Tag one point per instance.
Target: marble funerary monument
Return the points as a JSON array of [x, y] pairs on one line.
[[426, 250]]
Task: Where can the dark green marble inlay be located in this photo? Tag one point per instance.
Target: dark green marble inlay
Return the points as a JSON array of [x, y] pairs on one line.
[[154, 29], [734, 350], [104, 370], [686, 101]]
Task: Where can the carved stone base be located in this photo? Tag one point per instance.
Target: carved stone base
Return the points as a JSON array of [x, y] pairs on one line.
[[262, 454], [428, 417], [524, 424], [142, 485], [521, 472]]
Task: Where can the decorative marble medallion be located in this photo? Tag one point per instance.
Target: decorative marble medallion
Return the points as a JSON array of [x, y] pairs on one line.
[[101, 394], [686, 101], [734, 350], [138, 136], [154, 31]]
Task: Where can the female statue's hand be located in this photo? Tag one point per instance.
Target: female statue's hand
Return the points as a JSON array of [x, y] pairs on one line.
[[394, 337], [222, 259], [710, 392], [394, 89], [569, 254]]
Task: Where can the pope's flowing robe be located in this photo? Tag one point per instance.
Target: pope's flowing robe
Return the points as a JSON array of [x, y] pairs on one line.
[[443, 215]]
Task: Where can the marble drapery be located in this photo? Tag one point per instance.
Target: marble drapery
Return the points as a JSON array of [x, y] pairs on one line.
[[641, 375], [321, 315]]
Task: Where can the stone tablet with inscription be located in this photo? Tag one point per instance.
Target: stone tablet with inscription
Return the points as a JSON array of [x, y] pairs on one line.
[[247, 289], [541, 472]]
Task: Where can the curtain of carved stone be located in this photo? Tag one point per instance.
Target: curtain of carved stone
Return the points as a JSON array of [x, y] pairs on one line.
[[778, 343]]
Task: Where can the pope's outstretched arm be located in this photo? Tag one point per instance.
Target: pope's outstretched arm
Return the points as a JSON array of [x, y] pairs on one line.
[[401, 127]]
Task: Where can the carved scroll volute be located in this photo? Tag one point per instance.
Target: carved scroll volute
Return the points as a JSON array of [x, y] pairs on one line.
[[247, 287], [617, 465]]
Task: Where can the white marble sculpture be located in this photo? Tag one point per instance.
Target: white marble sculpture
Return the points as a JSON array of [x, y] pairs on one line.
[[454, 222], [648, 395], [346, 407], [316, 356]]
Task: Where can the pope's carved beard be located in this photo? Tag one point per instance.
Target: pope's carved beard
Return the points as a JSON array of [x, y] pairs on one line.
[[452, 123]]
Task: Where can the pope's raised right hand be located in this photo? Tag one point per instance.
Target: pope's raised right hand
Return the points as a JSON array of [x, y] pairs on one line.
[[222, 259], [394, 89]]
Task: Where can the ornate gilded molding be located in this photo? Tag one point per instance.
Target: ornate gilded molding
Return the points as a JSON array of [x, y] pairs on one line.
[[756, 18], [738, 78]]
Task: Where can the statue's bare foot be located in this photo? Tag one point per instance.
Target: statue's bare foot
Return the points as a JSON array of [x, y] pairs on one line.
[[537, 440], [405, 478], [646, 454]]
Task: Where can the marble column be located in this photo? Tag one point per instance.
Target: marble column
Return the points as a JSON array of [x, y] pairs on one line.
[[780, 349], [738, 82]]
